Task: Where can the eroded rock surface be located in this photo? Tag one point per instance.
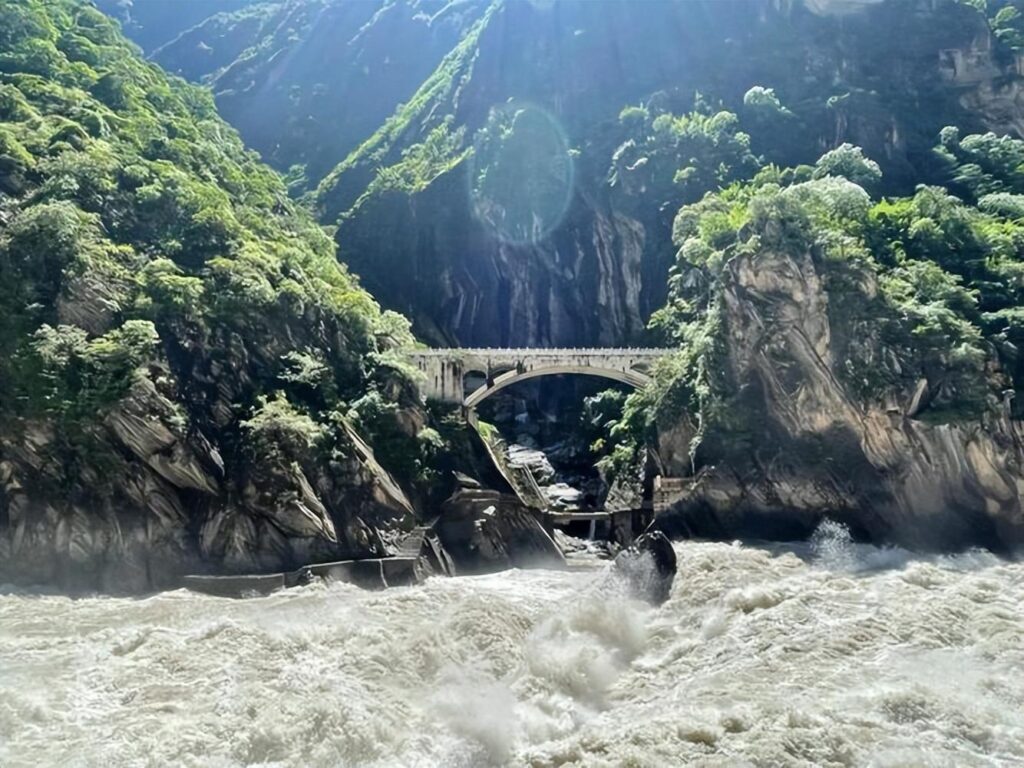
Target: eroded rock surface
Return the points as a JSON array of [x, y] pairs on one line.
[[488, 531], [805, 445], [167, 504]]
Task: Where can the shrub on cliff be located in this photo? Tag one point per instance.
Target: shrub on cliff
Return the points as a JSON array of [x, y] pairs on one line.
[[930, 280], [849, 162], [140, 239], [675, 158]]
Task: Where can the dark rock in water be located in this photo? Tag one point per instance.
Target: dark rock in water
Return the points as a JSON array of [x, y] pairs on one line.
[[648, 567]]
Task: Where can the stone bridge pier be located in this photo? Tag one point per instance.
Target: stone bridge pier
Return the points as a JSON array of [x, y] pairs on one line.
[[446, 370]]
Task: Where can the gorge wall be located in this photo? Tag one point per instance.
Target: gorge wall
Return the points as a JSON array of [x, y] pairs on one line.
[[391, 148], [185, 365], [804, 444], [191, 378]]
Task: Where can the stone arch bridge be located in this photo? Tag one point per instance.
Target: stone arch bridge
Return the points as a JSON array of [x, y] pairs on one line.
[[446, 370]]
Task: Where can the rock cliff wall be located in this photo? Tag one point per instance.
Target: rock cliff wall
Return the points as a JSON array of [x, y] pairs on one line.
[[182, 358], [804, 444], [886, 76]]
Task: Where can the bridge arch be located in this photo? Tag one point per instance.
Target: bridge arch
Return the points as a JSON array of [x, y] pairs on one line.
[[632, 378], [446, 372]]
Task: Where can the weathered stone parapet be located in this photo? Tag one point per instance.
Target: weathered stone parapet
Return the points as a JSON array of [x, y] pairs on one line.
[[445, 370]]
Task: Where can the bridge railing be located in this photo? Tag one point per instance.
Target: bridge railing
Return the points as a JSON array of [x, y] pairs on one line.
[[537, 351]]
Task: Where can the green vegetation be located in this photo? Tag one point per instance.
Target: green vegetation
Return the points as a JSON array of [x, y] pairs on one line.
[[677, 158], [1005, 19], [764, 102], [140, 240], [848, 162], [334, 194], [420, 164], [946, 263]]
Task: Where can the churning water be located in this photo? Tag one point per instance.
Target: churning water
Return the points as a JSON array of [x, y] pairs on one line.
[[831, 654]]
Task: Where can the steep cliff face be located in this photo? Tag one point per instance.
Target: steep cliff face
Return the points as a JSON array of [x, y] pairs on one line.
[[806, 445], [886, 76], [182, 359], [306, 82], [458, 283]]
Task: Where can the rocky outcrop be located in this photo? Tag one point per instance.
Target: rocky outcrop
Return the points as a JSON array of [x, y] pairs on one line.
[[486, 531], [147, 426], [802, 444], [167, 504], [648, 567]]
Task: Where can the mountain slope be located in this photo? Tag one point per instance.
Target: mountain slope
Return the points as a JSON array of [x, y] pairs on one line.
[[325, 72], [153, 23], [180, 351], [387, 139], [838, 78]]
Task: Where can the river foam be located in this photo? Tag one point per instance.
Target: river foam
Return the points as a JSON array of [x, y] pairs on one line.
[[830, 654]]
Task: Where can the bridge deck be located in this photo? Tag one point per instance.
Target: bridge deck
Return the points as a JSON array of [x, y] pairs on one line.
[[445, 370], [538, 351]]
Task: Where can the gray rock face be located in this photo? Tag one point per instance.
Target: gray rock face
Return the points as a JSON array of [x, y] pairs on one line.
[[144, 425], [822, 451], [89, 302], [459, 284], [167, 504], [532, 459], [487, 531], [563, 496]]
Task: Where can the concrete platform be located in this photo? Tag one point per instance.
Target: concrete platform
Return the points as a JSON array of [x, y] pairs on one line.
[[375, 573], [237, 586]]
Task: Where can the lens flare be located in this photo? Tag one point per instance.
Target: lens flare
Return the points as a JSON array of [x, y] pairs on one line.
[[521, 174]]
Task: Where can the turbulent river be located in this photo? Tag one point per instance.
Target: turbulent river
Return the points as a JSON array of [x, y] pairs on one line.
[[826, 654]]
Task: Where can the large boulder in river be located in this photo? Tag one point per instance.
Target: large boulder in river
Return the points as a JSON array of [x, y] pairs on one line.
[[648, 567], [485, 531]]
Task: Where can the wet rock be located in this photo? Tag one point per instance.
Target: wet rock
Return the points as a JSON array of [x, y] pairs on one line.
[[283, 493], [563, 496], [536, 461], [648, 567]]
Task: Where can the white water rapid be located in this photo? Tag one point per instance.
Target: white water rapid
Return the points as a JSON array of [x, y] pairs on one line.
[[830, 655]]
